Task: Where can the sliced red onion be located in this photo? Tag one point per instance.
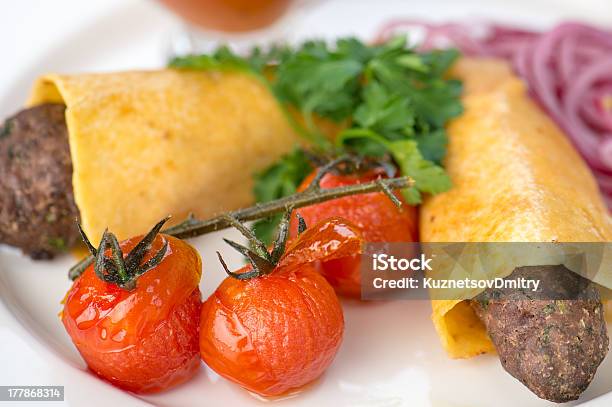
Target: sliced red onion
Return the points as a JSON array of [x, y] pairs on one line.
[[568, 70]]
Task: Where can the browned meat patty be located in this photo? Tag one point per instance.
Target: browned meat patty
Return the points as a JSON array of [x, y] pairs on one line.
[[37, 209], [551, 343]]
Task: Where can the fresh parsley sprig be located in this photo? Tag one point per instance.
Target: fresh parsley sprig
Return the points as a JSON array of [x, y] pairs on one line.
[[279, 180], [395, 101]]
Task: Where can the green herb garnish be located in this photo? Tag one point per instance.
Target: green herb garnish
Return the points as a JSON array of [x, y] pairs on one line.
[[279, 180], [395, 100], [57, 243], [549, 309], [6, 128]]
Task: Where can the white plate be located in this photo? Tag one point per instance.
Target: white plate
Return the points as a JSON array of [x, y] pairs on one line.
[[391, 355]]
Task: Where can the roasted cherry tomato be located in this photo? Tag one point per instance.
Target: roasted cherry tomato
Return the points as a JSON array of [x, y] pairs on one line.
[[275, 333], [376, 216], [142, 338]]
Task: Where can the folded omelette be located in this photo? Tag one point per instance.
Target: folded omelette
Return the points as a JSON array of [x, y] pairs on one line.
[[148, 144], [516, 178]]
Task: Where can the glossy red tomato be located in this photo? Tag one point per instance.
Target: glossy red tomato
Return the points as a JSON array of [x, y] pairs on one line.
[[144, 340], [275, 333], [376, 216]]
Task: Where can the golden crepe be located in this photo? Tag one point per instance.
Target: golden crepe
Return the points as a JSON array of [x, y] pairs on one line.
[[516, 178], [148, 144]]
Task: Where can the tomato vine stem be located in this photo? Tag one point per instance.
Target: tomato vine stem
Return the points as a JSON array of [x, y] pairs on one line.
[[193, 227]]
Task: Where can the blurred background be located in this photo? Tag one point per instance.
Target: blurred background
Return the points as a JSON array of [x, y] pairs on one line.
[[41, 35], [30, 27]]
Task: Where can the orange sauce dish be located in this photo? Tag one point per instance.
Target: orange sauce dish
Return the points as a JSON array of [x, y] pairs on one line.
[[230, 15]]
